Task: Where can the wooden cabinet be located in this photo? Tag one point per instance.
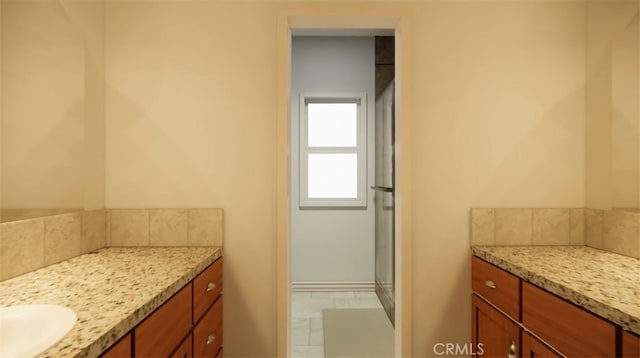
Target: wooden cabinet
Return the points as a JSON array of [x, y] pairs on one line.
[[160, 333], [185, 350], [630, 345], [497, 286], [121, 349], [207, 286], [207, 335], [189, 324], [533, 348], [494, 334], [560, 323], [540, 324]]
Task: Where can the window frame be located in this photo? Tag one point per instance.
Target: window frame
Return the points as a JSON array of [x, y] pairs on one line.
[[360, 99]]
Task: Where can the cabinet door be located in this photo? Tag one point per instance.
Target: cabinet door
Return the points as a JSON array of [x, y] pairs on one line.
[[207, 335], [630, 345], [122, 349], [185, 350], [206, 289], [533, 348], [493, 333], [562, 325], [162, 331]]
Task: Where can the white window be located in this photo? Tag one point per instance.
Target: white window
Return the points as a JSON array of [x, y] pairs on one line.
[[333, 150]]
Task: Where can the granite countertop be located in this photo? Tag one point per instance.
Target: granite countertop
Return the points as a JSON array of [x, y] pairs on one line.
[[602, 282], [111, 291]]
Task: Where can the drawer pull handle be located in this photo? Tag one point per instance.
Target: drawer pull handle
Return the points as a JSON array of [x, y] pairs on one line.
[[490, 284], [513, 350], [211, 338], [211, 286]]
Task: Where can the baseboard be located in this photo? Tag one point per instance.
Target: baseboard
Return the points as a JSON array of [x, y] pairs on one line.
[[333, 286]]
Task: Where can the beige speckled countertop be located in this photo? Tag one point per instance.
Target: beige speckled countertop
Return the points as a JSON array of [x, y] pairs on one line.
[[111, 291], [602, 282]]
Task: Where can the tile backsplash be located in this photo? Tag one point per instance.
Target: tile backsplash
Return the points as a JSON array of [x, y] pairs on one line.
[[611, 230], [165, 227], [28, 245], [525, 226]]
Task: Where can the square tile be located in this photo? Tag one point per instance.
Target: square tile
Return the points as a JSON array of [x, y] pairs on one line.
[[593, 223], [513, 226], [621, 233], [62, 237], [358, 303], [341, 294], [577, 226], [94, 230], [168, 227], [366, 294], [551, 227], [316, 332], [483, 223], [310, 307], [300, 331], [21, 247], [300, 294], [307, 352], [129, 227], [206, 227]]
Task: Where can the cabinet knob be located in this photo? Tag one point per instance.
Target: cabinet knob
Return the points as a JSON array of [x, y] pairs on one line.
[[490, 284], [513, 350], [211, 286], [211, 338]]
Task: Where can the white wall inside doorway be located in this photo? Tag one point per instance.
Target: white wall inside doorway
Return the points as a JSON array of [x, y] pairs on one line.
[[332, 246]]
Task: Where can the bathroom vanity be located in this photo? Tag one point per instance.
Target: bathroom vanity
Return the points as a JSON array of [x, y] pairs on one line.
[[146, 301], [571, 301]]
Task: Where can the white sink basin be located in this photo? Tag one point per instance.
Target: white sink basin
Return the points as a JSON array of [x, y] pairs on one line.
[[28, 330]]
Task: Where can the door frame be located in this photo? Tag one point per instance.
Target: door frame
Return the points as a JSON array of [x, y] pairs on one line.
[[345, 17]]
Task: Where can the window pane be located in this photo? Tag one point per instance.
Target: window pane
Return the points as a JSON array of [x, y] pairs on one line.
[[332, 124], [333, 176]]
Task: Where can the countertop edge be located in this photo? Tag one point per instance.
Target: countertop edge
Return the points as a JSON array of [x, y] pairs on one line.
[[624, 320], [104, 342]]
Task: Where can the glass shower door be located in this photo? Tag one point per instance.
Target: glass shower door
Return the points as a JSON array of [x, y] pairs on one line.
[[385, 201]]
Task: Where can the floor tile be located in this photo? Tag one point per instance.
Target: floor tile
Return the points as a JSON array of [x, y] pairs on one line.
[[366, 294], [300, 294], [307, 352], [300, 331], [357, 303], [316, 332], [311, 307], [349, 294]]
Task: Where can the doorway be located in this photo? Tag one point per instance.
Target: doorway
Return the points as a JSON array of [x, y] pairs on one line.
[[331, 20], [334, 196]]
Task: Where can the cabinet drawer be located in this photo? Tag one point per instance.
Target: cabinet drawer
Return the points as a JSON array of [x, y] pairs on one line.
[[206, 288], [207, 335], [185, 350], [122, 349], [496, 285], [160, 333], [571, 330], [630, 345], [533, 348], [493, 334]]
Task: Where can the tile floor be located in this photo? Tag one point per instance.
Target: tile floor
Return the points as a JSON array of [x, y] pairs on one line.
[[307, 338]]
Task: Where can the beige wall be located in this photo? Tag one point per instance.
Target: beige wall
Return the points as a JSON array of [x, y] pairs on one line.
[[498, 121], [52, 104], [613, 97], [191, 123]]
